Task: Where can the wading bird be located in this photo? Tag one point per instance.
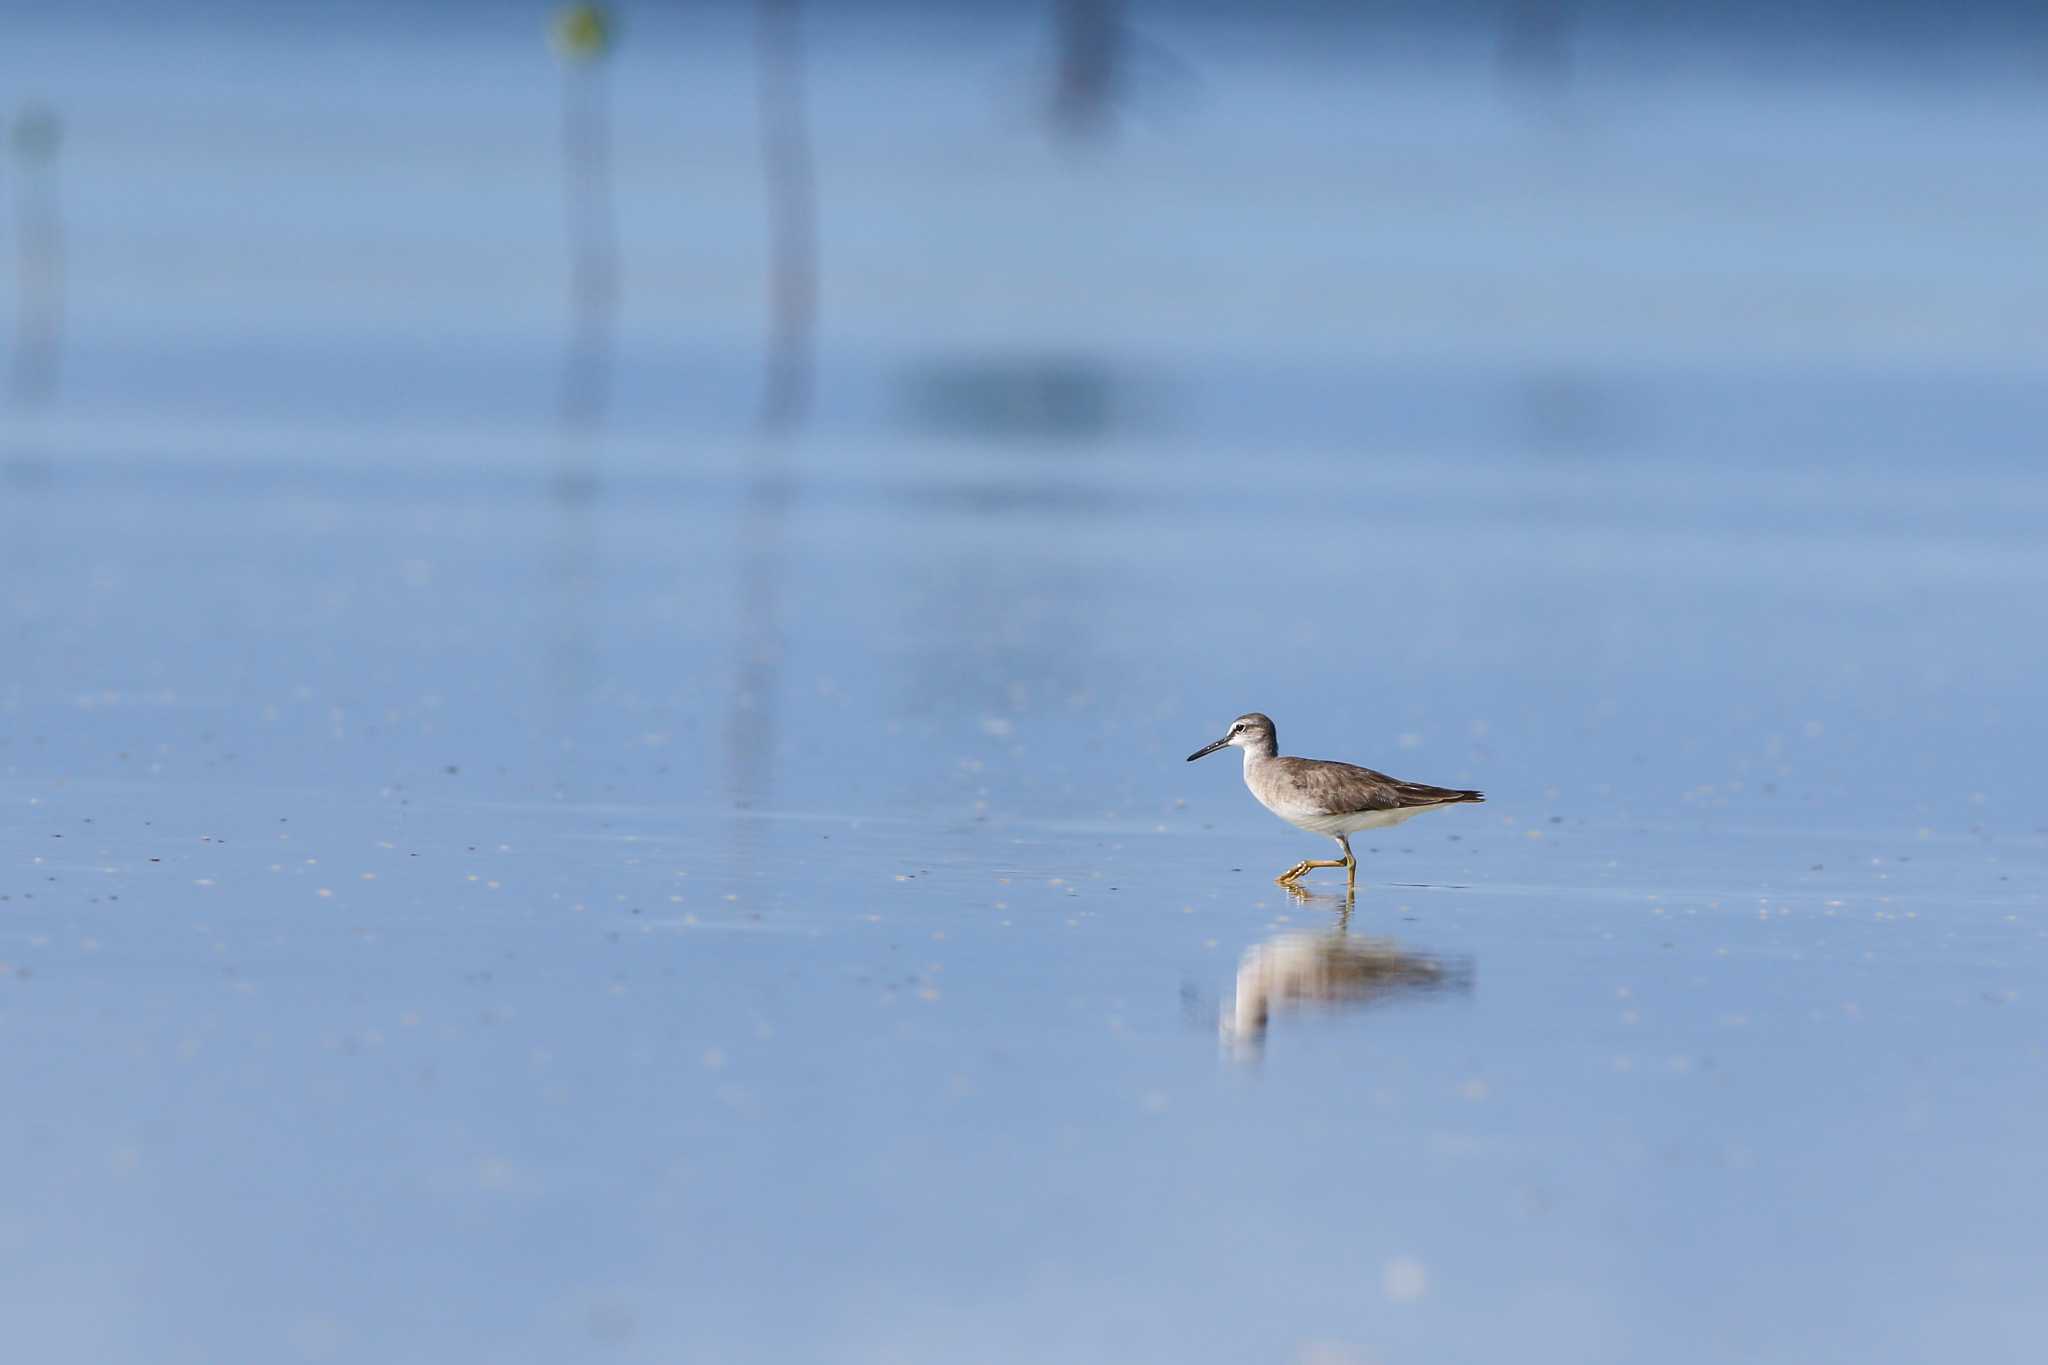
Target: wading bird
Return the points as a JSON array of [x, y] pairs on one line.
[[1336, 799]]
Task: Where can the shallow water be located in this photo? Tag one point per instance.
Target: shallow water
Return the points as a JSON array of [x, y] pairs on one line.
[[507, 926], [474, 892]]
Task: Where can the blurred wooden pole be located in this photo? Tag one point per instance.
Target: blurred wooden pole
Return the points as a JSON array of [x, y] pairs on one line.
[[39, 261]]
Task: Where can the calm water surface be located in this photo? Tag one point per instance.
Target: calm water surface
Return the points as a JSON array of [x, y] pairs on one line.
[[474, 922]]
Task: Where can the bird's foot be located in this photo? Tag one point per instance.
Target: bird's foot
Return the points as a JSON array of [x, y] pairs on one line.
[[1294, 874]]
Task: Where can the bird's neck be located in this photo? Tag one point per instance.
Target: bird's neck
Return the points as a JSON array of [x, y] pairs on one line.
[[1259, 752]]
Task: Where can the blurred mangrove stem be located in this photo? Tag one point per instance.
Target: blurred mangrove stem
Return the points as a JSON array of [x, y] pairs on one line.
[[39, 264], [792, 213], [584, 35]]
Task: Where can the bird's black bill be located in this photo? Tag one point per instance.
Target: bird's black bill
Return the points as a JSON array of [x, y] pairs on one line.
[[1205, 752]]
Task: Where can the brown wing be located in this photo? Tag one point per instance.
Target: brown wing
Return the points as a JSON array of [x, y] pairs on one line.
[[1345, 788]]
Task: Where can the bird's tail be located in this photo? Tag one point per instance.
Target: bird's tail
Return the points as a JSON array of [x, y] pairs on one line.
[[1421, 794]]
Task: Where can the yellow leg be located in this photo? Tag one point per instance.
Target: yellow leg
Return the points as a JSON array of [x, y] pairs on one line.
[[1293, 874], [1350, 866]]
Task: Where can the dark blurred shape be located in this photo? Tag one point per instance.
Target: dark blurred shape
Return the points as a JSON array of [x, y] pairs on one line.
[[1093, 44], [792, 212], [584, 34], [25, 473], [1562, 412], [1294, 971], [37, 138], [1103, 70], [1535, 52], [1046, 397], [611, 1322]]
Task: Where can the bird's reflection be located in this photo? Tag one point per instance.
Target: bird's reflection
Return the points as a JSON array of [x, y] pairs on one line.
[[1332, 970]]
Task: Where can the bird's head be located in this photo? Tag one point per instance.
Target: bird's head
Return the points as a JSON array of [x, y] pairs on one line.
[[1249, 731]]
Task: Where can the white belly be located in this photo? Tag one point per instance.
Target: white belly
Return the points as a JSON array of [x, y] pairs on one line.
[[1334, 825]]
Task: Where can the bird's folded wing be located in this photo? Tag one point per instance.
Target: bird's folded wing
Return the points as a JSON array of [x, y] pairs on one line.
[[1328, 788]]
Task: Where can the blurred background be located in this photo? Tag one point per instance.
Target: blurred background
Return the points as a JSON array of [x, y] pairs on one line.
[[600, 608]]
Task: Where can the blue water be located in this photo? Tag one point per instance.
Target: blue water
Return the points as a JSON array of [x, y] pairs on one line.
[[471, 890]]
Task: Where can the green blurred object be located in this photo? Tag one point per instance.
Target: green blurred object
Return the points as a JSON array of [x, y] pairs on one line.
[[37, 133], [583, 32]]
